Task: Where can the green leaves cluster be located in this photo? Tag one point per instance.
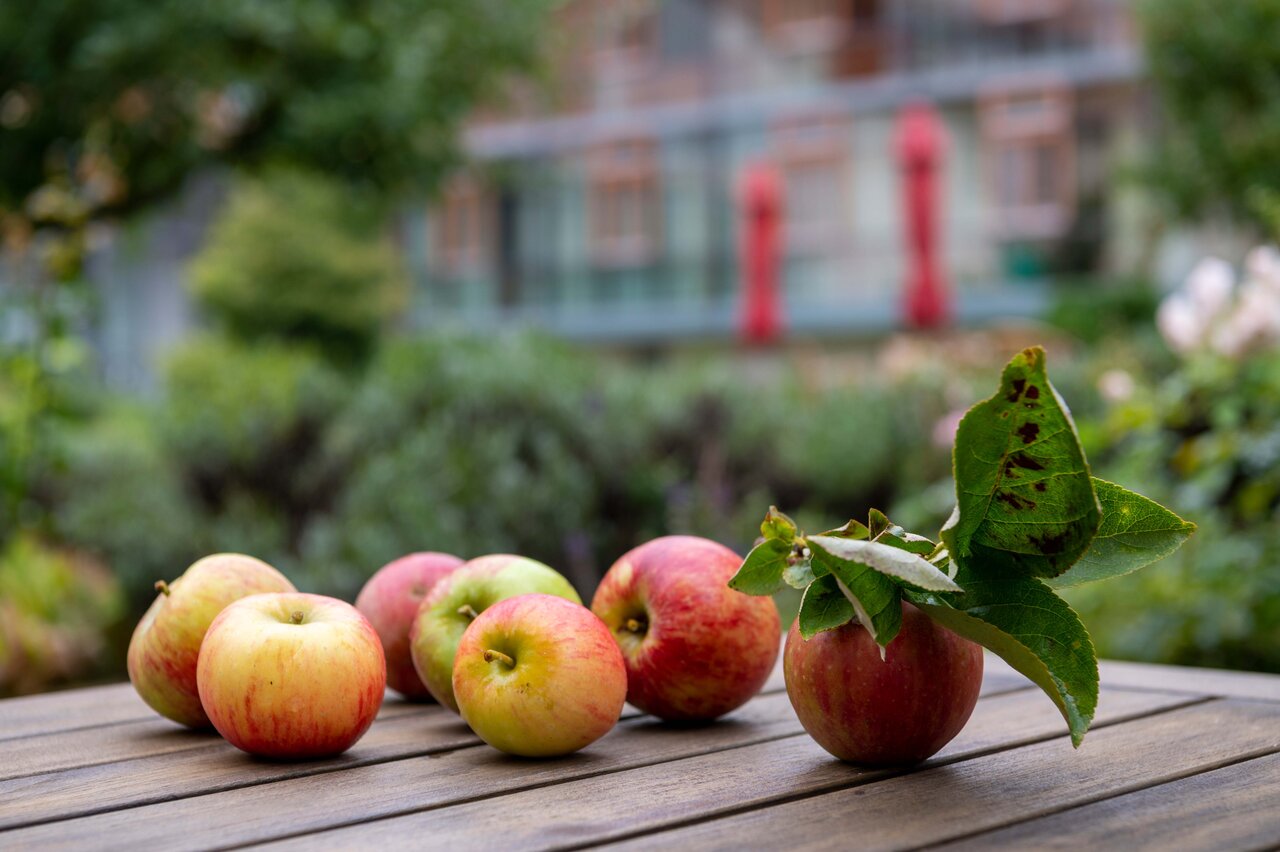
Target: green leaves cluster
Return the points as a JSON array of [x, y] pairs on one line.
[[1029, 518]]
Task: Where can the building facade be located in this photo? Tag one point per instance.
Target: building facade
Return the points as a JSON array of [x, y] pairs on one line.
[[605, 204]]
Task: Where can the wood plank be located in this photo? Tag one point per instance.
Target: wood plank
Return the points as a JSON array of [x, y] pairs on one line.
[[986, 793], [583, 810], [1219, 682], [245, 814], [152, 735], [78, 708], [1230, 808], [171, 775]]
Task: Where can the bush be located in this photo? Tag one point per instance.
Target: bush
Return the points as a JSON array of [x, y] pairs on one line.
[[301, 259], [55, 611]]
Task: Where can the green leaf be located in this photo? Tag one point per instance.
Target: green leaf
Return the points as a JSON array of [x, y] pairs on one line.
[[877, 522], [799, 574], [778, 526], [875, 597], [907, 568], [1026, 500], [761, 571], [853, 529], [823, 607], [1033, 630], [909, 542], [1135, 532]]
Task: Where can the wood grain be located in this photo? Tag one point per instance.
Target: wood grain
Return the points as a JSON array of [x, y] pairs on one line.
[[1262, 687], [595, 809], [242, 815], [995, 790], [60, 711], [1236, 807]]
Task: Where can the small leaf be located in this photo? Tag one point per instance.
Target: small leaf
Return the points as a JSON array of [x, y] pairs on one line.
[[1026, 500], [799, 574], [909, 542], [1135, 532], [778, 526], [877, 522], [761, 571], [874, 596], [905, 567], [1033, 630], [853, 529], [823, 607]]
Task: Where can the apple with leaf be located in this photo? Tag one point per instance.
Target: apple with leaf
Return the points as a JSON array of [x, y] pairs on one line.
[[882, 665]]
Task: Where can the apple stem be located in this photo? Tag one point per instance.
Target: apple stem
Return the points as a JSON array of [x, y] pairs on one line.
[[635, 625], [296, 616], [490, 656], [162, 587], [466, 610]]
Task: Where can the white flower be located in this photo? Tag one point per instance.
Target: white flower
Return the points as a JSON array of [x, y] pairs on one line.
[[1209, 285], [1263, 265], [1116, 385], [1179, 323]]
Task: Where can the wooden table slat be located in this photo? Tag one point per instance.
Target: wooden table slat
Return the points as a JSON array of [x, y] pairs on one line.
[[649, 797], [994, 790], [1235, 807]]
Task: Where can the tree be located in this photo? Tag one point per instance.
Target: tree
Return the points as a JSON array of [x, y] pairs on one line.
[[1216, 67], [107, 105]]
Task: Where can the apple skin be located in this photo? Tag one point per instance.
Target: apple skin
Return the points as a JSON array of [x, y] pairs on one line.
[[478, 584], [563, 688], [891, 712], [702, 649], [390, 600], [291, 676], [166, 643]]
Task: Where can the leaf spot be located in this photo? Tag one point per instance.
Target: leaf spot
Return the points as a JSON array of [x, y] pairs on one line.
[[1016, 393], [1033, 392], [1014, 501], [1028, 431]]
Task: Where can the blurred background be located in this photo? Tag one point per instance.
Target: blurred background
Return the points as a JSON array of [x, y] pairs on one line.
[[329, 281]]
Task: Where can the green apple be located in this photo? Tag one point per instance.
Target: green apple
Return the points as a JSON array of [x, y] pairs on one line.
[[166, 643], [459, 598], [539, 676], [292, 676]]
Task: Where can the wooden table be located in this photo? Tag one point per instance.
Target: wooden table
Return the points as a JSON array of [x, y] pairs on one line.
[[1178, 758]]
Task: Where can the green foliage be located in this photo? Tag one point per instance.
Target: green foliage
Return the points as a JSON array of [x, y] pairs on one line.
[[298, 258], [1026, 500], [55, 611], [1215, 68], [110, 106], [1026, 510]]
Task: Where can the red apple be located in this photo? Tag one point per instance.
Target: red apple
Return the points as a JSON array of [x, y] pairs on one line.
[[166, 642], [390, 601], [889, 712], [539, 676], [291, 675], [695, 649], [455, 602]]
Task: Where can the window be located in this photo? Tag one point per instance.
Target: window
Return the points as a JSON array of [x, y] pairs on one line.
[[813, 155], [1020, 11], [1030, 161], [806, 26], [624, 204], [461, 224]]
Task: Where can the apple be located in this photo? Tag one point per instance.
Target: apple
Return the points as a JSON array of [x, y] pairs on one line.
[[539, 676], [695, 649], [390, 600], [166, 642], [291, 675], [459, 598], [890, 712]]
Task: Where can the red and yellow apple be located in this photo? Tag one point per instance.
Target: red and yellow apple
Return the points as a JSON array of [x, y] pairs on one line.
[[291, 675], [890, 712], [539, 676], [459, 598], [695, 649], [166, 643], [390, 600]]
